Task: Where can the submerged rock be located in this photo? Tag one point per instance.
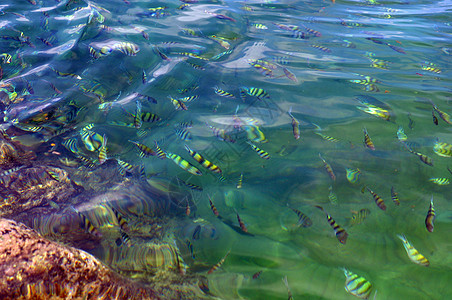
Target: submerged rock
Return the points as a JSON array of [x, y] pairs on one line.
[[35, 268]]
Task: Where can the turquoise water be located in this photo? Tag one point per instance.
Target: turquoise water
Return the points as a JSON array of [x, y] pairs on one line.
[[337, 67]]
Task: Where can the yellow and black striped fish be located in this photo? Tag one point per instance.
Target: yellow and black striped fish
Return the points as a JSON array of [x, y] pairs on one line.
[[103, 150], [395, 196], [183, 134], [242, 225], [440, 181], [322, 48], [159, 151], [430, 217], [144, 151], [219, 264], [356, 285], [378, 200], [86, 224], [303, 220], [367, 141], [6, 58], [259, 151], [340, 232], [150, 117], [137, 120], [183, 164], [178, 104], [71, 145], [191, 185], [443, 115], [91, 140], [431, 67], [119, 218], [222, 93], [127, 48], [413, 254], [327, 137], [359, 216], [202, 161], [442, 149], [213, 208], [328, 168], [124, 166], [125, 238], [256, 92]]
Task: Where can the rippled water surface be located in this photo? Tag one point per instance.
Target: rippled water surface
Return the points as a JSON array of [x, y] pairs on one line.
[[278, 95]]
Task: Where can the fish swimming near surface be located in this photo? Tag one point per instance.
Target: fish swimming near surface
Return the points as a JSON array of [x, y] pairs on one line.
[[183, 164], [262, 153], [328, 168], [430, 217], [356, 285], [367, 141], [340, 232], [303, 220], [202, 161], [412, 252], [395, 196], [359, 216], [378, 200], [219, 264]]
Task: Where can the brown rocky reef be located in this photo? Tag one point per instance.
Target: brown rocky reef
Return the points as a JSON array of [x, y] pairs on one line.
[[32, 267]]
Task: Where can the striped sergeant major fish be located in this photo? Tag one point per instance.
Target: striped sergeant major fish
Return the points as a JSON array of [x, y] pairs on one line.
[[212, 207], [240, 182], [71, 145], [367, 141], [359, 216], [144, 151], [378, 200], [219, 264], [92, 140], [395, 196], [159, 151], [202, 161], [183, 164], [412, 253], [137, 120], [120, 219], [303, 220], [255, 92], [125, 238], [127, 48], [178, 104], [86, 224], [443, 115], [259, 151], [430, 217], [356, 285], [424, 158], [183, 134], [222, 93], [328, 168], [103, 150], [124, 167], [340, 232]]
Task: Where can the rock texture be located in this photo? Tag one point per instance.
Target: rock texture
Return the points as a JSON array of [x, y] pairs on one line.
[[32, 267]]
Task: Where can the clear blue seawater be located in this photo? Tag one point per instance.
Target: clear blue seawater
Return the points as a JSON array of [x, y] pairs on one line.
[[241, 67]]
